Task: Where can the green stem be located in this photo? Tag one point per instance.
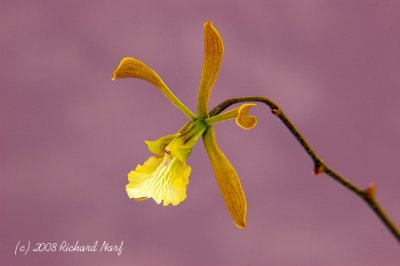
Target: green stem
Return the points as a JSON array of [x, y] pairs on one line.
[[222, 117], [368, 195]]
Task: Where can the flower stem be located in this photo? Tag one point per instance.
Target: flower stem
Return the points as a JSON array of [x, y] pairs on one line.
[[368, 194]]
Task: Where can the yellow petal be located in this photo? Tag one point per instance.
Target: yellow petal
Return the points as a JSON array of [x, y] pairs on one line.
[[141, 199], [213, 51], [181, 147], [132, 68], [163, 179], [158, 146], [227, 179], [243, 119]]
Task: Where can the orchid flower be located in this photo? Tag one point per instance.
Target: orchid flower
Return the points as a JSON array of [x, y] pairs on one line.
[[164, 176]]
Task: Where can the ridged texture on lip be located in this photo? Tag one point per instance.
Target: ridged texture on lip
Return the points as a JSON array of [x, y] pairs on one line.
[[164, 179]]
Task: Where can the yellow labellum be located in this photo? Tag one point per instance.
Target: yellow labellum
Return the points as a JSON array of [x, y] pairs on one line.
[[163, 179]]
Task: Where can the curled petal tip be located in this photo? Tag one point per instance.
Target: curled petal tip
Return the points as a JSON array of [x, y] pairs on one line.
[[123, 69], [244, 120], [132, 68]]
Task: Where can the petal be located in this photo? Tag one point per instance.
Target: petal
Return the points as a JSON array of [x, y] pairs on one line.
[[132, 68], [163, 179], [181, 147], [213, 51], [141, 199], [227, 179], [243, 119], [158, 146]]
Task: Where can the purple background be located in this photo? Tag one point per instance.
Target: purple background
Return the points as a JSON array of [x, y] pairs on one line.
[[69, 135]]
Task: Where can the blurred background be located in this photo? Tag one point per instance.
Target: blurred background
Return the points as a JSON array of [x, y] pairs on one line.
[[69, 135]]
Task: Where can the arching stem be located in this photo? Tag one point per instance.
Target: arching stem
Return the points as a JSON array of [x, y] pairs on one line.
[[368, 194]]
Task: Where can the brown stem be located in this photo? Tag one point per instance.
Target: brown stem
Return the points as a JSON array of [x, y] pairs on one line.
[[368, 195]]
